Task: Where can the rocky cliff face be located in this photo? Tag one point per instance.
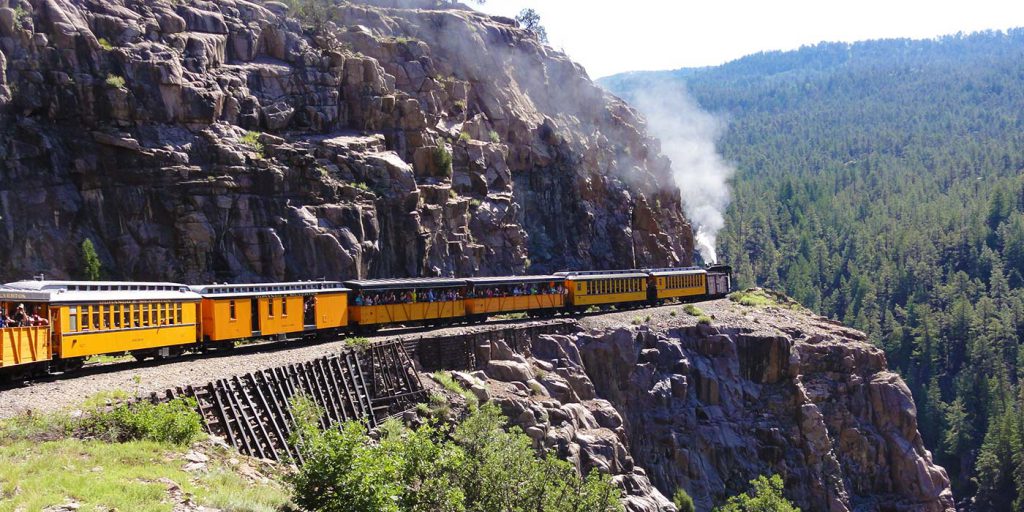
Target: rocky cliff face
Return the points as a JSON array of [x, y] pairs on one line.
[[197, 140], [669, 404]]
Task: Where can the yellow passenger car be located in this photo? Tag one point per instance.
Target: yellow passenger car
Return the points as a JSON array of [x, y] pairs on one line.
[[239, 311], [532, 294], [23, 344], [377, 302], [103, 317], [679, 283], [605, 287]]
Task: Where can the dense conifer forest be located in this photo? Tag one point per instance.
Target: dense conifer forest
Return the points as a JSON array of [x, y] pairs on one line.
[[880, 183]]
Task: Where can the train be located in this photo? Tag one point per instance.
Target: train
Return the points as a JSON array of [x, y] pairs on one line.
[[54, 326]]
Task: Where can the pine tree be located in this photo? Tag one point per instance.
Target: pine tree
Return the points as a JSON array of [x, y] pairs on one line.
[[91, 267]]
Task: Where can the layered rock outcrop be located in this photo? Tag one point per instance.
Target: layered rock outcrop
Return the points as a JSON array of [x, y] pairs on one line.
[[670, 404], [197, 140]]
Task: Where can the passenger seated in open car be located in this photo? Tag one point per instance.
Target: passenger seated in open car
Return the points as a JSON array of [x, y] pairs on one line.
[[19, 318]]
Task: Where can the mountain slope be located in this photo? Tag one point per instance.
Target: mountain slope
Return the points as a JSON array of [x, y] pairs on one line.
[[879, 183]]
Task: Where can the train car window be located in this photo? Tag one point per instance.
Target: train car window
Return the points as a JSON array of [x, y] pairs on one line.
[[164, 317], [107, 312], [232, 311], [579, 286], [135, 315], [73, 319], [116, 312], [126, 312], [284, 306], [178, 307], [95, 317], [270, 308], [145, 315]]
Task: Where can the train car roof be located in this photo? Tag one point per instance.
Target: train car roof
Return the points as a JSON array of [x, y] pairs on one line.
[[100, 291], [601, 274], [11, 293], [674, 271], [417, 282], [496, 280], [269, 289]]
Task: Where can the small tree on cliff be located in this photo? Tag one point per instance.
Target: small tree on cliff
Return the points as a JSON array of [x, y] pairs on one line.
[[315, 12], [90, 261], [766, 496], [530, 20]]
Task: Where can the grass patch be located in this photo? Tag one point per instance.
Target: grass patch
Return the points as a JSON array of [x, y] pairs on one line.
[[692, 310], [105, 399], [704, 319], [493, 135], [464, 136], [105, 44], [358, 342], [510, 316], [120, 457], [121, 476], [460, 105], [107, 359], [755, 297], [252, 140], [447, 382], [115, 81]]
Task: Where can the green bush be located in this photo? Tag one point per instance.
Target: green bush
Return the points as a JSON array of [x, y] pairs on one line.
[[704, 319], [683, 501], [495, 138], [443, 159], [20, 14], [478, 465], [105, 44], [174, 422], [766, 495], [464, 136], [314, 12], [115, 81]]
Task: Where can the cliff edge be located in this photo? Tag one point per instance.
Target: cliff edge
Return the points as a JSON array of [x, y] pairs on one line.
[[662, 402]]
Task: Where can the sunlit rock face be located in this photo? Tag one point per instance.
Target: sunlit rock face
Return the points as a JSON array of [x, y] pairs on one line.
[[199, 141]]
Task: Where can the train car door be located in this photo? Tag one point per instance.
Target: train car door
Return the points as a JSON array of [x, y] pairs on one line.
[[255, 304]]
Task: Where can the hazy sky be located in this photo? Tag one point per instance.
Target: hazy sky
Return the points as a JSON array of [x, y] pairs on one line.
[[609, 37]]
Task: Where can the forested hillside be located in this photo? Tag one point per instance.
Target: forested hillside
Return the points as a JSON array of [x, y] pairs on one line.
[[880, 183]]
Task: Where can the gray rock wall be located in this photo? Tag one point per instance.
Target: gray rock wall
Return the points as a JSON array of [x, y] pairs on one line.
[[708, 409], [197, 141]]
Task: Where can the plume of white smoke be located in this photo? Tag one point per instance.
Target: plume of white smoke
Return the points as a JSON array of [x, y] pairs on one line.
[[688, 136]]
